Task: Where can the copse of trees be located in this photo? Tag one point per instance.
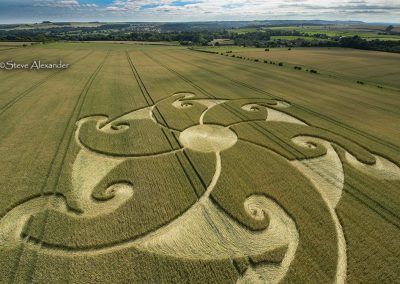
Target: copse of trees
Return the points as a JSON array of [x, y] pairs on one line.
[[257, 39], [389, 28], [353, 42], [359, 43]]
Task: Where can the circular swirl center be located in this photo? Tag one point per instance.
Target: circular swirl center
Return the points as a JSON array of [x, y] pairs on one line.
[[208, 138]]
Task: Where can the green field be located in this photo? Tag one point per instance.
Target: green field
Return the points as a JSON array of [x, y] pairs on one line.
[[292, 38], [11, 45], [160, 164], [44, 26], [365, 32]]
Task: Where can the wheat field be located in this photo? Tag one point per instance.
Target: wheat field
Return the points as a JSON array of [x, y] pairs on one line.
[[161, 164], [375, 68]]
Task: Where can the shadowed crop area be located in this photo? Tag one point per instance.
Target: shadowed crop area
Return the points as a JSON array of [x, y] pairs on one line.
[[163, 164]]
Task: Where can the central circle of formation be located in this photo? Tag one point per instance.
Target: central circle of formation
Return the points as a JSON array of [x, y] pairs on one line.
[[208, 138]]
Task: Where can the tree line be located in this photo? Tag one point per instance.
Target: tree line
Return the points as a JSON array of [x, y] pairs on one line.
[[260, 38]]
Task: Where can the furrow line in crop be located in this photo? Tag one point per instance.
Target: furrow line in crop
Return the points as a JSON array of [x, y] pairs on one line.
[[305, 109], [13, 101], [69, 131]]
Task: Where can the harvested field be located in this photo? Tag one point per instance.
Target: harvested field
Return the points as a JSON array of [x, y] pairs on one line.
[[158, 164]]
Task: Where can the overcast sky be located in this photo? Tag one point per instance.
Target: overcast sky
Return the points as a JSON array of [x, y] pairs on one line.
[[17, 11]]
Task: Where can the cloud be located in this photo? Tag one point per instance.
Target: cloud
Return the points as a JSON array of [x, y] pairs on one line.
[[57, 3], [62, 4], [254, 8], [115, 8], [201, 10], [150, 5]]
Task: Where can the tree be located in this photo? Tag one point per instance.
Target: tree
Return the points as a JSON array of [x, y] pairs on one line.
[[353, 42], [41, 38], [389, 28]]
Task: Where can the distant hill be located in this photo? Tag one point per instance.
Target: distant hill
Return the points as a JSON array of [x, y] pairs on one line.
[[177, 26]]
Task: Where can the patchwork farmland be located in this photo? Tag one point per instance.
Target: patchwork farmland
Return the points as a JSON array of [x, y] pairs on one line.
[[160, 164]]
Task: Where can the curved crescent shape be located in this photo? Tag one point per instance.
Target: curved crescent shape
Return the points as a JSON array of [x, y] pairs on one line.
[[87, 171], [208, 233], [327, 175], [326, 172], [382, 169]]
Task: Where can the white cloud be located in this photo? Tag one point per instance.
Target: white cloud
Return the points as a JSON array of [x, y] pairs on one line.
[[255, 9], [115, 8], [202, 10], [137, 5], [62, 4], [57, 3]]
